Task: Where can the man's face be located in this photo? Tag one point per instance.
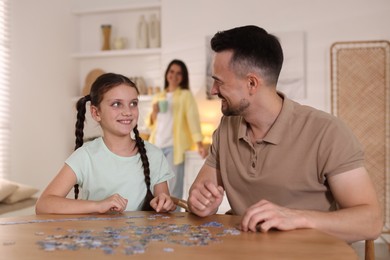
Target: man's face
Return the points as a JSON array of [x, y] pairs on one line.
[[228, 87]]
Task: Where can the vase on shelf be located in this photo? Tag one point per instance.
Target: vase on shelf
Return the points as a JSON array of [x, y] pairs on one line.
[[120, 43], [154, 32], [142, 33], [106, 30]]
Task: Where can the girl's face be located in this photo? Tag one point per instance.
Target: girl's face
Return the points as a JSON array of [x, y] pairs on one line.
[[174, 75], [118, 111]]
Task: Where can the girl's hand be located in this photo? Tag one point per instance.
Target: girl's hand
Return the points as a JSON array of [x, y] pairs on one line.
[[162, 203], [114, 203]]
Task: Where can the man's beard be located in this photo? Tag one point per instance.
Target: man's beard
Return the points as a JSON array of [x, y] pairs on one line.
[[235, 111]]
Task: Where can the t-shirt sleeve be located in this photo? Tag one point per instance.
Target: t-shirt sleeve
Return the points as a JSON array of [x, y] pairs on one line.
[[340, 149], [78, 162]]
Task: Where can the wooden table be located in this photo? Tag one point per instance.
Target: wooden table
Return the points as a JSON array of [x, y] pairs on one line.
[[182, 236]]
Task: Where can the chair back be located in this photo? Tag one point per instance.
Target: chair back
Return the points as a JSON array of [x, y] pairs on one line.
[[360, 96]]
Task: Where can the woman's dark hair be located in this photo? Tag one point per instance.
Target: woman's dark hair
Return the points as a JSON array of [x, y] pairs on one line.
[[185, 83], [101, 86], [253, 47]]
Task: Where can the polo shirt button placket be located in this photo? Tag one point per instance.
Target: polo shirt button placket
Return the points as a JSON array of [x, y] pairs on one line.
[[254, 160]]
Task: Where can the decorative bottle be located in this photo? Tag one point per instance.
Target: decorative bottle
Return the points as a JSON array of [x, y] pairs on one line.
[[154, 32], [106, 30], [142, 33]]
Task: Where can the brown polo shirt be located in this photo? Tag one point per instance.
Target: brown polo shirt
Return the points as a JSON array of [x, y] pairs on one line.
[[290, 165]]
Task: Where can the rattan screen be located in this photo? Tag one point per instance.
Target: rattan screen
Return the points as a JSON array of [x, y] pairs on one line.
[[361, 97]]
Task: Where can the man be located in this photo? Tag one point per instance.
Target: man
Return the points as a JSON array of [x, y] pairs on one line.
[[283, 165]]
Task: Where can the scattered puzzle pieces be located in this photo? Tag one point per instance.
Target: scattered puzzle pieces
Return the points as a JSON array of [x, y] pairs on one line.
[[134, 239], [212, 224]]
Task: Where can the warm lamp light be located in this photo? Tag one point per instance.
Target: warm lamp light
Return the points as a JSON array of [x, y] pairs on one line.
[[207, 131]]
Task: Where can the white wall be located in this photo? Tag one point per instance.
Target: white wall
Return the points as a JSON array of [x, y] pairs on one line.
[[44, 78], [42, 73], [186, 24]]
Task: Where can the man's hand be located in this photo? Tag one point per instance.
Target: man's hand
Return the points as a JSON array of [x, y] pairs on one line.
[[265, 215], [205, 198]]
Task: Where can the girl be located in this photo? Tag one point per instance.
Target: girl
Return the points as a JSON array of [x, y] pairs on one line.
[[115, 172]]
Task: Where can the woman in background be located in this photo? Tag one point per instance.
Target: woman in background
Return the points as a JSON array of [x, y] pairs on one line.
[[174, 122]]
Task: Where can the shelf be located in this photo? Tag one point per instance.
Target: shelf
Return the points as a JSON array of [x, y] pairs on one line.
[[117, 53], [131, 61], [134, 7]]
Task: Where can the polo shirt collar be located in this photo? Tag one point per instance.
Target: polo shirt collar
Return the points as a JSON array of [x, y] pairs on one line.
[[280, 126], [242, 130]]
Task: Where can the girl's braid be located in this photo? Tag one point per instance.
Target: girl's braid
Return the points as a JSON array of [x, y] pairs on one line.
[[145, 162], [79, 132]]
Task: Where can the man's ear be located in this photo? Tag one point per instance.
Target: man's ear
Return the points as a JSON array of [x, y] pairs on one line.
[[95, 113], [253, 83]]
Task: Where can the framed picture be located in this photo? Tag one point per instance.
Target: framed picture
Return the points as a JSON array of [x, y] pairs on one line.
[[209, 68]]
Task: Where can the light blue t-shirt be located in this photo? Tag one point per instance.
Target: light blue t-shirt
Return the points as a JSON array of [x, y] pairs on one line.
[[101, 173]]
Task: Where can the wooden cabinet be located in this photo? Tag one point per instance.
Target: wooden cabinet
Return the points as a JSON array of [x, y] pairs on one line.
[[193, 163]]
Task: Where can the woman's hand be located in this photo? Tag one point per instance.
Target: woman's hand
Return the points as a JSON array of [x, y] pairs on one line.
[[162, 203], [203, 152], [153, 115]]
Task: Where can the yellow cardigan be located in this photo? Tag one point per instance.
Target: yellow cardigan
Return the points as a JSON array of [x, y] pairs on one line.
[[186, 123]]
